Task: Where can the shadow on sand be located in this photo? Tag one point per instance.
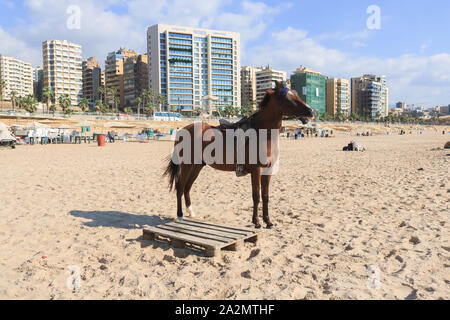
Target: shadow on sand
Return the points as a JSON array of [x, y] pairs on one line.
[[129, 221], [117, 219]]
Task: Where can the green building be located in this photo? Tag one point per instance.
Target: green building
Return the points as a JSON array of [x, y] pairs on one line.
[[311, 87]]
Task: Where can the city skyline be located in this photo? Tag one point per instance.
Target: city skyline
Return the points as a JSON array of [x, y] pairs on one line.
[[413, 56]]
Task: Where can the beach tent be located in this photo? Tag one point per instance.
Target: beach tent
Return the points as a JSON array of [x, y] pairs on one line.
[[36, 125], [3, 126]]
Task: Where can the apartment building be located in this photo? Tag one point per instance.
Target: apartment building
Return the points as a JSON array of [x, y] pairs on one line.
[[92, 79], [38, 82], [338, 96], [311, 88], [265, 79], [248, 85], [114, 75], [135, 74], [63, 69], [194, 67], [18, 77], [370, 96]]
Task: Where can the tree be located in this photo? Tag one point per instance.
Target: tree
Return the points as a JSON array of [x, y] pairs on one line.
[[149, 110], [98, 105], [128, 110], [48, 94], [151, 95], [30, 103], [113, 91], [52, 109], [246, 110], [64, 102], [139, 102], [101, 90], [2, 86], [84, 104], [160, 100], [13, 98], [116, 104]]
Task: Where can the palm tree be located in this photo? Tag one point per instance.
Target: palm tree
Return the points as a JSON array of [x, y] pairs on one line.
[[98, 105], [84, 104], [149, 109], [101, 90], [113, 91], [13, 98], [151, 95], [160, 100], [52, 109], [116, 104], [64, 102], [30, 103], [48, 94], [2, 86], [139, 101]]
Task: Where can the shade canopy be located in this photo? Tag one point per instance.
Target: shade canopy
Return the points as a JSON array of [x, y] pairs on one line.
[[36, 125], [117, 124]]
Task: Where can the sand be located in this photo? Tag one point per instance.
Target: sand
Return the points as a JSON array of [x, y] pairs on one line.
[[81, 207]]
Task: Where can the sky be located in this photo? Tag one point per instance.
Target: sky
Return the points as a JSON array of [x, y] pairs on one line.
[[408, 41]]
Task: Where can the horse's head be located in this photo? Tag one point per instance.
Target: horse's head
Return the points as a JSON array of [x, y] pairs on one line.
[[292, 106]]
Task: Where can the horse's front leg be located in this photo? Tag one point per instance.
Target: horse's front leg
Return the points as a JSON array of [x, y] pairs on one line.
[[256, 190], [265, 181]]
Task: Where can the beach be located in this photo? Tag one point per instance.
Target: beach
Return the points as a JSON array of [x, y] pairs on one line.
[[341, 219]]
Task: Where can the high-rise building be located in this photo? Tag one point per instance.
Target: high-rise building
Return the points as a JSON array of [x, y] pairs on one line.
[[194, 67], [63, 69], [248, 85], [135, 75], [265, 79], [18, 77], [38, 82], [311, 88], [114, 75], [370, 96], [338, 96], [92, 79], [400, 105]]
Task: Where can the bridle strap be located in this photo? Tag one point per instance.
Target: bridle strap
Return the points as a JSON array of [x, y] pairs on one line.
[[283, 95]]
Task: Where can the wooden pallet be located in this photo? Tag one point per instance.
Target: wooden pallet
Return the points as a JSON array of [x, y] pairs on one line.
[[209, 236]]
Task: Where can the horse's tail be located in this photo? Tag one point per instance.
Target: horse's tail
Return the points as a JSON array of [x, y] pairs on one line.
[[173, 172]]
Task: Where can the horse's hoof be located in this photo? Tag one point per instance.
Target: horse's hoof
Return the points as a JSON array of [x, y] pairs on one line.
[[180, 219], [257, 226], [269, 225]]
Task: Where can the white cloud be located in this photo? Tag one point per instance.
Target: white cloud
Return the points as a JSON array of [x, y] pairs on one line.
[[410, 77], [414, 78], [10, 46]]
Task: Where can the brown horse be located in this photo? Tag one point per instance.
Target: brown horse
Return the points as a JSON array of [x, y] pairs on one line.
[[277, 104]]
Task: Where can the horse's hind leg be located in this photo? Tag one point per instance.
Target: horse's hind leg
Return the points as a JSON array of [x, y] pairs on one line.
[[187, 190], [180, 186], [256, 188]]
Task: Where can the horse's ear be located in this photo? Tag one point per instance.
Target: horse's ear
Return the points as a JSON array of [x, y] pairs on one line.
[[279, 87]]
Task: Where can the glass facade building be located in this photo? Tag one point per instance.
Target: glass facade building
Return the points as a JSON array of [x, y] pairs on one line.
[[193, 67], [311, 88]]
